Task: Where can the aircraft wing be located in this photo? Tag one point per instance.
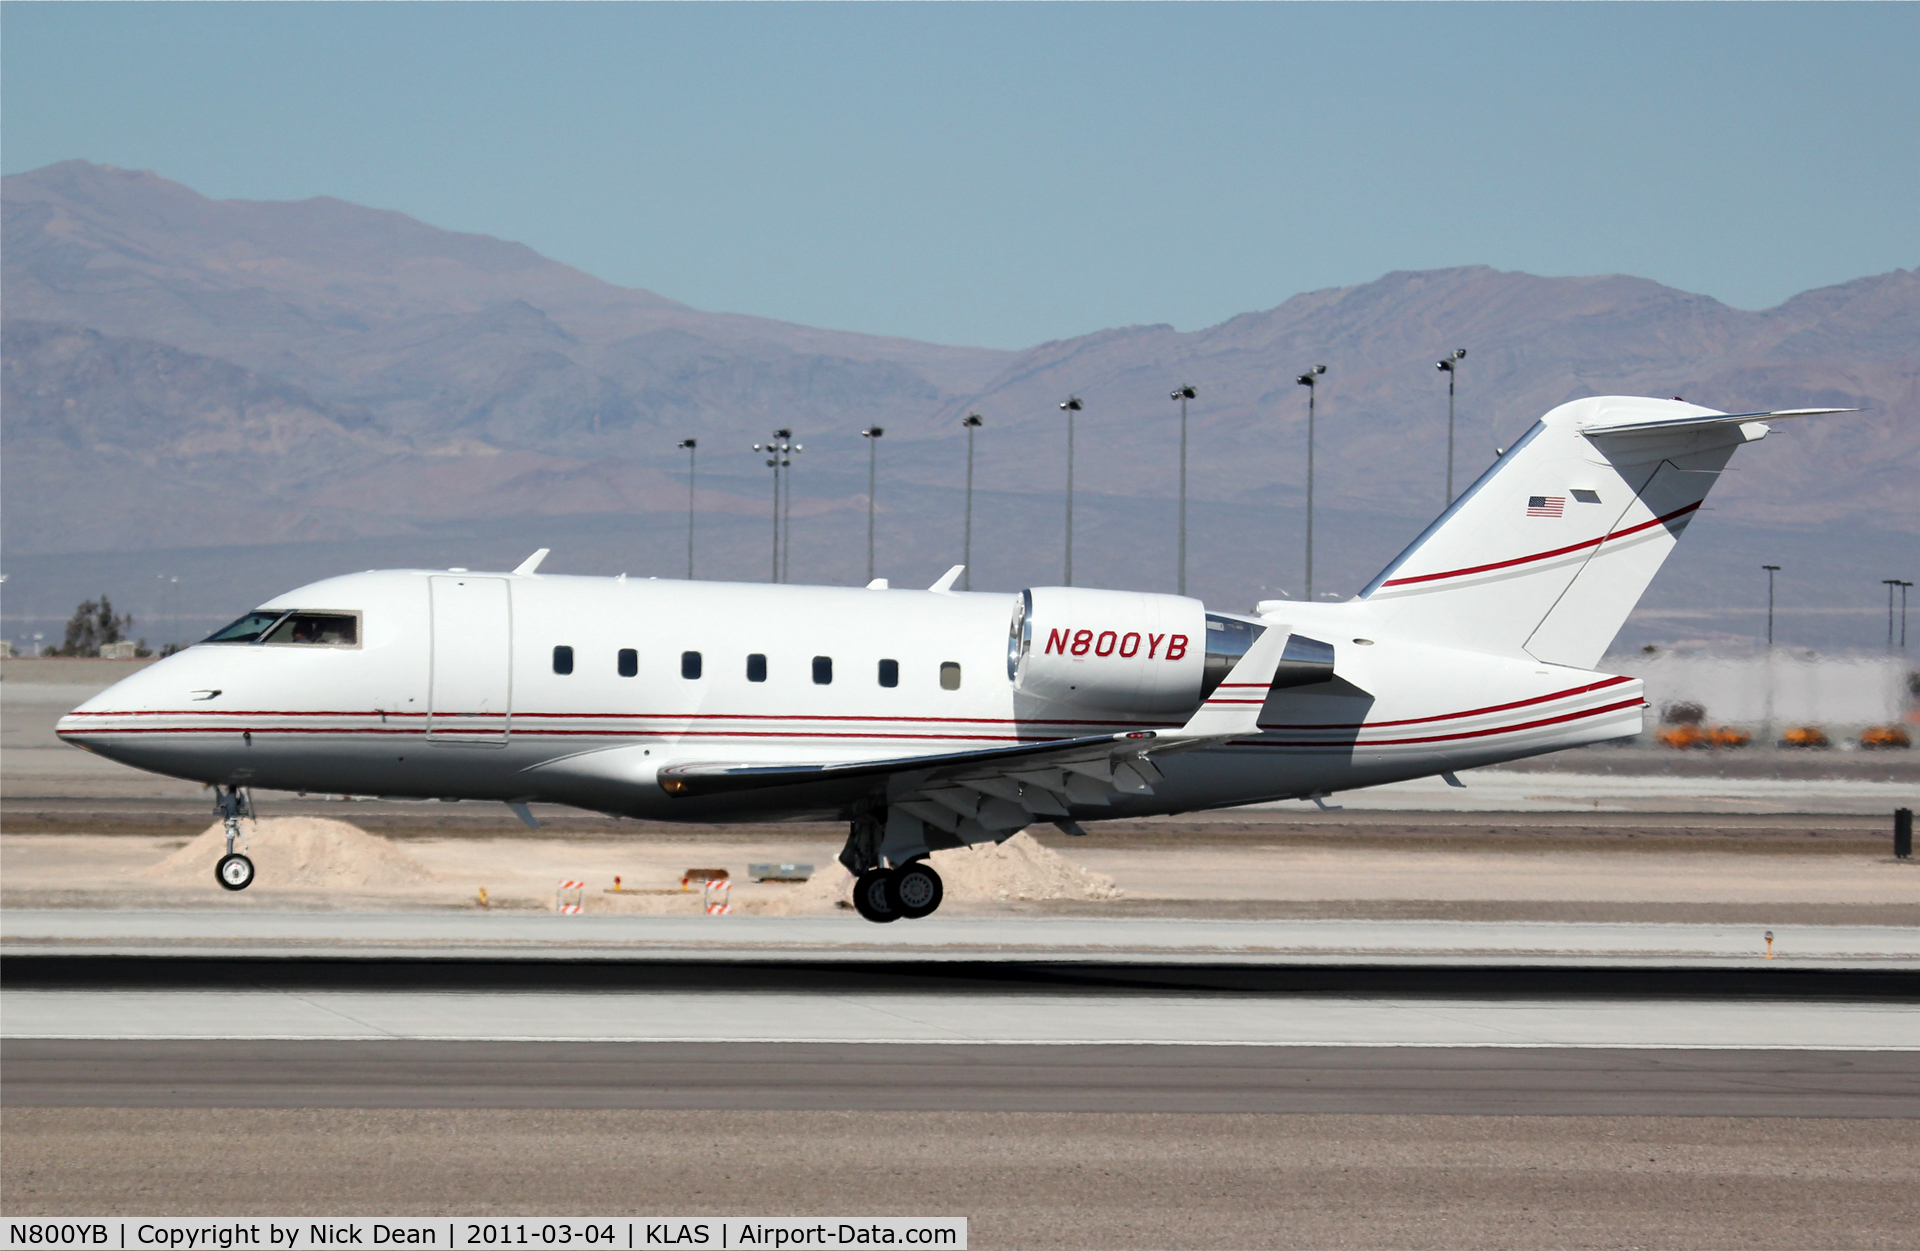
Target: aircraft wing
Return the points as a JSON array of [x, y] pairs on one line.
[[982, 795], [690, 780]]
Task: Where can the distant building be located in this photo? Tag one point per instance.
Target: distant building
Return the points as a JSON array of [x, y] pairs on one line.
[[1785, 687], [119, 651]]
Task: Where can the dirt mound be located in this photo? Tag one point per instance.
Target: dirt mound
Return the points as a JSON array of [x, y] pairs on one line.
[[296, 851], [1019, 868]]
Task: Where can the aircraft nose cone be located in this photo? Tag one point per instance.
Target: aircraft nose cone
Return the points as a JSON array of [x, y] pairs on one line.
[[133, 722], [85, 730]]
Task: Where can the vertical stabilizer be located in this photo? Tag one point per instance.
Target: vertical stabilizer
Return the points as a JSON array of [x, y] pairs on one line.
[[1549, 551]]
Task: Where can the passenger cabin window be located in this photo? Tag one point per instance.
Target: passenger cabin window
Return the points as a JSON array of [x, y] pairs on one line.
[[756, 668], [949, 675], [248, 629], [690, 665], [563, 660], [629, 662], [889, 673], [823, 670]]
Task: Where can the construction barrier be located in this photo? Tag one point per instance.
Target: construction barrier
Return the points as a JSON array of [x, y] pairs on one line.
[[724, 905], [560, 902]]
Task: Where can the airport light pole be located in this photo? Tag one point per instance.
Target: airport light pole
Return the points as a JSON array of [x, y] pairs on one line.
[[1450, 366], [777, 450], [691, 448], [1890, 584], [1311, 381], [972, 422], [872, 435], [169, 611], [1903, 614], [1070, 406], [786, 509], [1183, 393], [1767, 732]]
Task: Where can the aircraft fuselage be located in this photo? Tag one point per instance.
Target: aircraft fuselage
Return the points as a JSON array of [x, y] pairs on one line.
[[453, 687]]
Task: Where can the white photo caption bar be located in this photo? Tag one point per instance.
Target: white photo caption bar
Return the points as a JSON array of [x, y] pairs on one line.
[[601, 1233]]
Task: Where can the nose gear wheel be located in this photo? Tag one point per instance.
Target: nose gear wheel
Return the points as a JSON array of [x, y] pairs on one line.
[[234, 872]]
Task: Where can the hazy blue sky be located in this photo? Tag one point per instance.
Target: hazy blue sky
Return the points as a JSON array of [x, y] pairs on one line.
[[1002, 174]]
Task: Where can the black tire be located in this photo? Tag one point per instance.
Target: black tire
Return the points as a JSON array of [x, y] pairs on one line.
[[234, 872], [915, 890], [871, 896]]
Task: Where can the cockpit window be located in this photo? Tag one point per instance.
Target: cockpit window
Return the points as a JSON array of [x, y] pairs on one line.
[[248, 629], [316, 629]]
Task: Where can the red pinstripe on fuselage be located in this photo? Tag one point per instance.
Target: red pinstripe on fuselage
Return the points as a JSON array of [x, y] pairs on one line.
[[690, 725]]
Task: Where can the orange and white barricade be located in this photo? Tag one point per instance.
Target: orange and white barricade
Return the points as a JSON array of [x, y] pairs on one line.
[[711, 882], [565, 906]]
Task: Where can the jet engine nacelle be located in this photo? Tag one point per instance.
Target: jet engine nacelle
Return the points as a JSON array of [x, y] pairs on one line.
[[1121, 650]]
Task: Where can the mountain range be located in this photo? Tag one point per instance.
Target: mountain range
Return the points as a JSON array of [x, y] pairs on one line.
[[247, 389]]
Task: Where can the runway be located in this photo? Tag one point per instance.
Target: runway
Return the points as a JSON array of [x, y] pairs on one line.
[[1451, 1081], [243, 930], [1061, 1098]]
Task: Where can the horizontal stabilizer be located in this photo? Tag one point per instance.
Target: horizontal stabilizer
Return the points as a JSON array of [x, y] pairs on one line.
[[1708, 419]]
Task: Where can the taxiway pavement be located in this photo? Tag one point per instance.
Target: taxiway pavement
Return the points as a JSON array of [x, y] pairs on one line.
[[1453, 1081]]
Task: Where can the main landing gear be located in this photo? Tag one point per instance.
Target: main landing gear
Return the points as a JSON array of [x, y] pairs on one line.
[[235, 871], [912, 891], [882, 893]]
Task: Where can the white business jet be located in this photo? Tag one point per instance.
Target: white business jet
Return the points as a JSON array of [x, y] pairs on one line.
[[937, 719]]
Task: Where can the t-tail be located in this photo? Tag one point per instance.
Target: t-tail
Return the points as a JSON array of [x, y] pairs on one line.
[[1549, 551]]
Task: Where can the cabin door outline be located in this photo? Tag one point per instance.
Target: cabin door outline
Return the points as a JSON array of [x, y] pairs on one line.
[[470, 683]]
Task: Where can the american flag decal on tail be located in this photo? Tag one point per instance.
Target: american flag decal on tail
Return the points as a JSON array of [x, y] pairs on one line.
[[1546, 505]]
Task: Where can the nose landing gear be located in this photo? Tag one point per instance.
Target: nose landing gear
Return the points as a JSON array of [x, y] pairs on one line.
[[235, 871], [883, 894]]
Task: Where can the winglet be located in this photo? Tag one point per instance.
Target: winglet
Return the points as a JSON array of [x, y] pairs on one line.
[[1234, 707], [532, 562], [945, 585]]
